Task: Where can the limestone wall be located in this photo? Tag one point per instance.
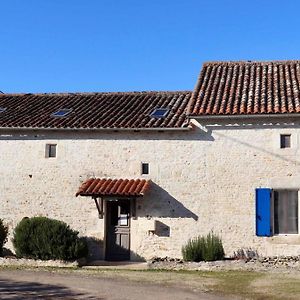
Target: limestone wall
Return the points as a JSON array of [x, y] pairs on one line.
[[203, 180]]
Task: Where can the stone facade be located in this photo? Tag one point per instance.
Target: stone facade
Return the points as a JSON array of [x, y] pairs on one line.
[[202, 180]]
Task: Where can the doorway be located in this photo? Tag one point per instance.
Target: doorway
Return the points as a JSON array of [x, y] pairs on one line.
[[118, 216]]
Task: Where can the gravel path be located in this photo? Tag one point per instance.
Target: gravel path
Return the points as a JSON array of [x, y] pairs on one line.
[[21, 284]]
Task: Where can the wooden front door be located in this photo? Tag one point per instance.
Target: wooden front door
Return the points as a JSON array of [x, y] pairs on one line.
[[118, 230]]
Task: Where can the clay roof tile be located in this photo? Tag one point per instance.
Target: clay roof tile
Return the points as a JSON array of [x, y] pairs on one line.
[[245, 87], [97, 187]]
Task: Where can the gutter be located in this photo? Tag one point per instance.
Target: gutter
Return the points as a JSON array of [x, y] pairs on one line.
[[240, 117], [98, 129]]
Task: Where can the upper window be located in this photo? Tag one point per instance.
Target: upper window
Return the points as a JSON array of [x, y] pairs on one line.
[[2, 109], [285, 141], [159, 112], [50, 150], [62, 112], [285, 211], [145, 168]]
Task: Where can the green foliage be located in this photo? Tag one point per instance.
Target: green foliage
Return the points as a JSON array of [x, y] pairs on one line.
[[44, 238], [3, 235], [207, 248]]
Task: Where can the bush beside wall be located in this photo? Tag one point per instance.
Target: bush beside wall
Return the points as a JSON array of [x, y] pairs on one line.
[[203, 248], [3, 235], [44, 238]]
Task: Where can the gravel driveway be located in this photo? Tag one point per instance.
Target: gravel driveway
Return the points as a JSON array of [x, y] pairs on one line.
[[21, 284]]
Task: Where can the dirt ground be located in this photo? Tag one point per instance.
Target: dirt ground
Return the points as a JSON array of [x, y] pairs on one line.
[[36, 284], [122, 284]]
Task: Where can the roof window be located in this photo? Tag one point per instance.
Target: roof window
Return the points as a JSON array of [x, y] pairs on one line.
[[62, 112], [2, 109], [159, 113]]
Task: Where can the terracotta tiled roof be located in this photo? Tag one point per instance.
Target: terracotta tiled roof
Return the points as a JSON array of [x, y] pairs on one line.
[[114, 187], [236, 88], [94, 110]]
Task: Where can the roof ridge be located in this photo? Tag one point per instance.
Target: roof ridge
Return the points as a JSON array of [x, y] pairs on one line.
[[250, 62], [96, 93]]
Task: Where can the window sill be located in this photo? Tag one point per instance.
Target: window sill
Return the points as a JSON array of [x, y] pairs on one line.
[[291, 238], [285, 234]]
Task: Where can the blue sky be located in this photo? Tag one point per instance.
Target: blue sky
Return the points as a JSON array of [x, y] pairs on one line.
[[120, 45]]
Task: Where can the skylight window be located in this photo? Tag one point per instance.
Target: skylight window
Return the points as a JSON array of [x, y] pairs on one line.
[[159, 113], [62, 112], [2, 109]]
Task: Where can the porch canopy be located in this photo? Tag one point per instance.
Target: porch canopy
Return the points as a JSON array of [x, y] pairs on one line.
[[103, 187]]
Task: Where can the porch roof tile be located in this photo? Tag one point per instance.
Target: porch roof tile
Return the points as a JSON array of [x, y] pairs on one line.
[[97, 187]]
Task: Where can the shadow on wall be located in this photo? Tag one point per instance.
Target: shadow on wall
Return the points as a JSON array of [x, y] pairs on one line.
[[246, 253], [163, 205], [7, 253], [162, 229], [136, 257], [11, 289]]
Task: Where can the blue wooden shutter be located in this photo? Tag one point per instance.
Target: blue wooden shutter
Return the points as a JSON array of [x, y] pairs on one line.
[[263, 212]]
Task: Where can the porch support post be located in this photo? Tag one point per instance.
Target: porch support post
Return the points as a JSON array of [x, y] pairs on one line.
[[133, 208], [99, 205]]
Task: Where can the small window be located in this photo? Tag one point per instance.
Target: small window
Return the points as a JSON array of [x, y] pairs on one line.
[[285, 211], [285, 141], [145, 168], [159, 113], [62, 112], [50, 150], [2, 109]]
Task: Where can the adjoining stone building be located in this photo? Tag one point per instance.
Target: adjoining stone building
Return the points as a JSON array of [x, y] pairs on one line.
[[140, 173]]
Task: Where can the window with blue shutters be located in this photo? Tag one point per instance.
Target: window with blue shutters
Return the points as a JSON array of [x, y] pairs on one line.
[[276, 212]]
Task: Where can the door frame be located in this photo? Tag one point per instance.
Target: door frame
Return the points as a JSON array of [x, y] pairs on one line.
[[106, 220]]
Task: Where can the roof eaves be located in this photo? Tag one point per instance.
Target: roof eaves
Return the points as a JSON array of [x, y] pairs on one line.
[[100, 129], [244, 116]]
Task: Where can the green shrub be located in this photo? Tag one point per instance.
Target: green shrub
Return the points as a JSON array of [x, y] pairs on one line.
[[44, 238], [3, 235], [208, 248]]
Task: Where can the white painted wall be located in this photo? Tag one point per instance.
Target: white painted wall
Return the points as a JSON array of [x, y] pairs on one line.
[[202, 180]]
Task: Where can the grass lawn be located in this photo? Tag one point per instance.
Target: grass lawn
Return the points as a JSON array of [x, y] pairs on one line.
[[243, 284]]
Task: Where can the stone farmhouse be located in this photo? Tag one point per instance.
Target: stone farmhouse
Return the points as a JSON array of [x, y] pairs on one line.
[[139, 173]]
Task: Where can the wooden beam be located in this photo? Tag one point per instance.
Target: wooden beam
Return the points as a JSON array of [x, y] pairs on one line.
[[99, 205], [133, 208]]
